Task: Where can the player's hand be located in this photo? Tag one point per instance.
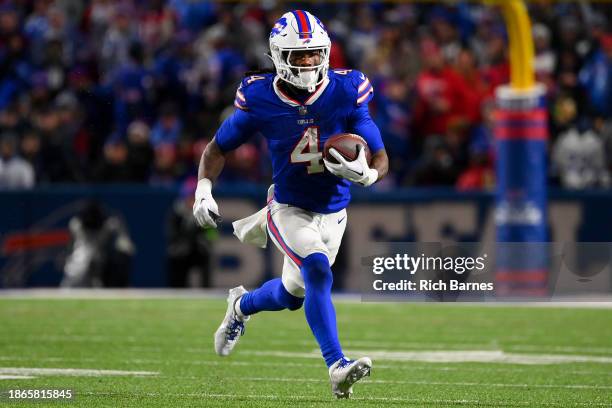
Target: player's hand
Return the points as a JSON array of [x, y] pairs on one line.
[[205, 208], [358, 171]]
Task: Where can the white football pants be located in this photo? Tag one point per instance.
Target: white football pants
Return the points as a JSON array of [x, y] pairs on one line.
[[298, 233]]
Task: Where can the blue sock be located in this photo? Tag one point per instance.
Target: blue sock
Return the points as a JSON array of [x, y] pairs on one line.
[[272, 295], [320, 312]]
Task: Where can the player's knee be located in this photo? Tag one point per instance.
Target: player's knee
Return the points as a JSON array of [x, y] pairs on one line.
[[295, 303], [288, 300], [316, 270]]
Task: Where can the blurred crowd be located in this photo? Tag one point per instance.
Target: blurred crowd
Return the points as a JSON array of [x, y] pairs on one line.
[[111, 91]]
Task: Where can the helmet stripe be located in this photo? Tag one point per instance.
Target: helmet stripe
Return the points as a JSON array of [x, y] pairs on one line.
[[303, 23]]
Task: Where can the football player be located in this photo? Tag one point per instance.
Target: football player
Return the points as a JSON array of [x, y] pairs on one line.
[[297, 109]]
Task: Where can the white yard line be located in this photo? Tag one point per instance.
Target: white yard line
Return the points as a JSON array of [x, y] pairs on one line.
[[408, 346], [450, 356], [579, 349], [452, 383], [15, 377], [78, 372]]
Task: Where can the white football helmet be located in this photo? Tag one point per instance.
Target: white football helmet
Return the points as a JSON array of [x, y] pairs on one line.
[[299, 30]]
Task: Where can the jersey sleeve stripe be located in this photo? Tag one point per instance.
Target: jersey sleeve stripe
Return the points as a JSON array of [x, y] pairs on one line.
[[363, 97], [240, 101], [239, 106], [363, 85], [240, 96], [365, 91]]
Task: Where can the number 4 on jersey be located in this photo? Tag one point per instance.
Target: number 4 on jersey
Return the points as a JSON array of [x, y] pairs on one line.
[[307, 151]]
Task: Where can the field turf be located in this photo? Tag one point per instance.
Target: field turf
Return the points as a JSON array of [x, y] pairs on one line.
[[418, 352]]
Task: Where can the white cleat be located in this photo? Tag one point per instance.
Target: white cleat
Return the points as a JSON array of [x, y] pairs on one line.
[[344, 373], [232, 327]]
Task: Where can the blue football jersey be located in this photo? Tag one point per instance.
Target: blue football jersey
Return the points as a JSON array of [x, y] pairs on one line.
[[296, 132]]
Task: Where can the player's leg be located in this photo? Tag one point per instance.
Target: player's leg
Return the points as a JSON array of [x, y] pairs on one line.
[[310, 242], [318, 306], [297, 233], [271, 296], [343, 373]]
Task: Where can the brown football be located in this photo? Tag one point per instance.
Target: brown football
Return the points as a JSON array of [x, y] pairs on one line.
[[346, 144]]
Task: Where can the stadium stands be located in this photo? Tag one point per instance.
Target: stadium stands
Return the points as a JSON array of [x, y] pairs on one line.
[[109, 91]]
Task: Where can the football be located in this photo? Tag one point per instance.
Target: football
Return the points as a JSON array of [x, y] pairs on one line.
[[346, 144]]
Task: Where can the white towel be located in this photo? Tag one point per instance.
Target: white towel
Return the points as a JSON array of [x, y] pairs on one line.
[[252, 229]]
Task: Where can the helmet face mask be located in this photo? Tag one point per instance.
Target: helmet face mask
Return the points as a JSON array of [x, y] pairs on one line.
[[296, 36]]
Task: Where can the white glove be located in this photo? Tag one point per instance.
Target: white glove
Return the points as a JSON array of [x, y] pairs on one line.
[[205, 209], [356, 171]]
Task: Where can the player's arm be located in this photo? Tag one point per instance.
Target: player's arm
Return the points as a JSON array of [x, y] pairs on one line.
[[361, 123], [212, 162], [359, 171], [380, 162], [234, 131], [364, 126]]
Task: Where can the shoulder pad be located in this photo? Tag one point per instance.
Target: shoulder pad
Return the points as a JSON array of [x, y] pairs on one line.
[[357, 84], [245, 89]]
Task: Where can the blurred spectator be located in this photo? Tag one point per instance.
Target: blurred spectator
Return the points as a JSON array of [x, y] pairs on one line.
[[394, 119], [362, 39], [140, 151], [15, 63], [57, 159], [439, 92], [223, 65], [437, 166], [31, 150], [132, 84], [596, 78], [167, 130], [480, 174], [177, 72], [164, 171], [189, 246], [545, 59], [156, 25], [10, 120], [193, 15], [119, 37], [15, 172], [114, 167], [72, 126], [496, 70], [474, 87], [101, 251], [444, 30], [578, 158]]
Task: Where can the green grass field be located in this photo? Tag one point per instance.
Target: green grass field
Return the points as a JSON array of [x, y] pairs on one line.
[[524, 356]]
